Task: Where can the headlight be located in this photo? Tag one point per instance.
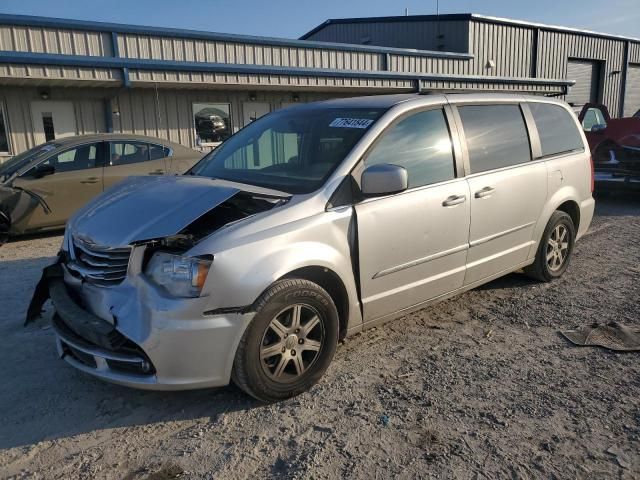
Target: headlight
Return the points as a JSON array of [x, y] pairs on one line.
[[180, 276]]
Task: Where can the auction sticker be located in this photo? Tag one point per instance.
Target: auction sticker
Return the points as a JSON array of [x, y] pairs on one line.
[[351, 123]]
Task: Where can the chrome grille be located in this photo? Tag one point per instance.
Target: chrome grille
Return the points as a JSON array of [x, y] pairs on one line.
[[98, 264]]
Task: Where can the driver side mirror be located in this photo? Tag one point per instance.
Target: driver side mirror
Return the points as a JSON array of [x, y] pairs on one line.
[[384, 179], [598, 128], [43, 170]]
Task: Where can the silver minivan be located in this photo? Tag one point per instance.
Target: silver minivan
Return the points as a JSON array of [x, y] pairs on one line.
[[309, 225]]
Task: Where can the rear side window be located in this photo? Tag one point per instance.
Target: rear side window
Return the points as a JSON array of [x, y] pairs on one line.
[[156, 152], [124, 153], [420, 143], [556, 128], [496, 136]]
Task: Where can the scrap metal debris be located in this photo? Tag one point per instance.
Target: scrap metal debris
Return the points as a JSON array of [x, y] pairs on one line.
[[612, 335]]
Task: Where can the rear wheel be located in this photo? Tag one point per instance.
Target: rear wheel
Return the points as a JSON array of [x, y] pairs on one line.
[[555, 249], [289, 343]]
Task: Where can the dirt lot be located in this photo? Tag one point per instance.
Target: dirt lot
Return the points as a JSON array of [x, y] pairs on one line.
[[481, 386]]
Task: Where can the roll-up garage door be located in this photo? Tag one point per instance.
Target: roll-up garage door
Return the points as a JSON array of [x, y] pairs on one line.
[[632, 95], [586, 73]]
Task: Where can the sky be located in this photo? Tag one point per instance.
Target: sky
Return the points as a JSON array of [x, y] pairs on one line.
[[292, 18]]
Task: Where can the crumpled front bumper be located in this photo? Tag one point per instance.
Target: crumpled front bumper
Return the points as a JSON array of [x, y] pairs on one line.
[[175, 352]]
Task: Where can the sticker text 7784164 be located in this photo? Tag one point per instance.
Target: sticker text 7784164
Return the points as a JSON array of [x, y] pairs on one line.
[[351, 123]]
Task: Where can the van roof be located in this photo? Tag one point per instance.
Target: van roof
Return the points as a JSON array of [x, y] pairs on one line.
[[388, 101]]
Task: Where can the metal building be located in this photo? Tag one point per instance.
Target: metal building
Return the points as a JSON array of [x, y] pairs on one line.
[[606, 68], [67, 77]]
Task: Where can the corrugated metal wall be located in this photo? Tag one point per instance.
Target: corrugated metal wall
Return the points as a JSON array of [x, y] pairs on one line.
[[634, 52], [190, 50], [88, 106], [55, 40], [632, 99], [220, 80], [450, 36], [555, 48], [509, 48], [168, 114], [37, 74]]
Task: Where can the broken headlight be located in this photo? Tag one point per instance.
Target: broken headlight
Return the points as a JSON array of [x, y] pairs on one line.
[[179, 276]]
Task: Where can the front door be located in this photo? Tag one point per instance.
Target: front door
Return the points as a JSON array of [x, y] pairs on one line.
[[508, 191], [52, 120], [76, 179], [413, 245], [254, 110]]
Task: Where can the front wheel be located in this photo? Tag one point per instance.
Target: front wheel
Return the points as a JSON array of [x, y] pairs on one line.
[[555, 249], [289, 343]]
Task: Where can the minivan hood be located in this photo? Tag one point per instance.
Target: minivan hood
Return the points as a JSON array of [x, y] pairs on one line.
[[145, 208]]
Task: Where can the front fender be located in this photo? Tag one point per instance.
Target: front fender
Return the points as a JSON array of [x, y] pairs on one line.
[[239, 275]]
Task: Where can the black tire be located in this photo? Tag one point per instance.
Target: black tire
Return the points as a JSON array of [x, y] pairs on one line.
[[540, 269], [257, 376]]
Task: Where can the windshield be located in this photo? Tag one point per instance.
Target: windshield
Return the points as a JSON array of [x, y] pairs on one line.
[[293, 151], [11, 166]]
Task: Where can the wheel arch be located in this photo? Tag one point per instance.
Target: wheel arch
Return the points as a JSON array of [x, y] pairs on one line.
[[565, 200], [571, 208], [333, 284]]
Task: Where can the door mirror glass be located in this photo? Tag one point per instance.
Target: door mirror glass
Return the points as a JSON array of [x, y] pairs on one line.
[[384, 179], [43, 170]]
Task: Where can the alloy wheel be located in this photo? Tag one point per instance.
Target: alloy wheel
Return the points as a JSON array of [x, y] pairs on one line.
[[557, 248], [291, 343]]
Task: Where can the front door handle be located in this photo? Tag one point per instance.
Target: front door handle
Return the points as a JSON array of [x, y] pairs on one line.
[[485, 192], [157, 172], [454, 200], [91, 180]]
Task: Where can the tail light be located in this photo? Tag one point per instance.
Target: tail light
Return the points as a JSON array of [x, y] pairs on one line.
[[593, 175]]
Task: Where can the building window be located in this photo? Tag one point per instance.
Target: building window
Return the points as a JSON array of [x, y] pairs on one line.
[[4, 132], [212, 122], [47, 125]]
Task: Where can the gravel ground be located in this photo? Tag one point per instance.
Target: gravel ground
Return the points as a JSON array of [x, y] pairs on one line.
[[480, 386]]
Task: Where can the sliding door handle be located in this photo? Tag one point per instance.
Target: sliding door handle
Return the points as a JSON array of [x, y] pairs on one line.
[[454, 200], [485, 192], [157, 172], [90, 180]]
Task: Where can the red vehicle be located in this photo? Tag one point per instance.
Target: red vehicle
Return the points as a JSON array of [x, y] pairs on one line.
[[615, 146]]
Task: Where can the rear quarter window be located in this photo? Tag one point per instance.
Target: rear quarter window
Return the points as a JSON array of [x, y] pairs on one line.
[[556, 128]]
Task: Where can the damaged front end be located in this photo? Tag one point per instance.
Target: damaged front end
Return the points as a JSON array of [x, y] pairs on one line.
[[16, 206], [128, 295]]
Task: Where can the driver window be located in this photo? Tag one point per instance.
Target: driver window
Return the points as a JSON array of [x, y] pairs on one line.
[[420, 143], [593, 116], [79, 158]]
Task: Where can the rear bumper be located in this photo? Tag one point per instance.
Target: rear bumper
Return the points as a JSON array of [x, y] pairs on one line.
[[610, 182], [175, 352], [587, 208]]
